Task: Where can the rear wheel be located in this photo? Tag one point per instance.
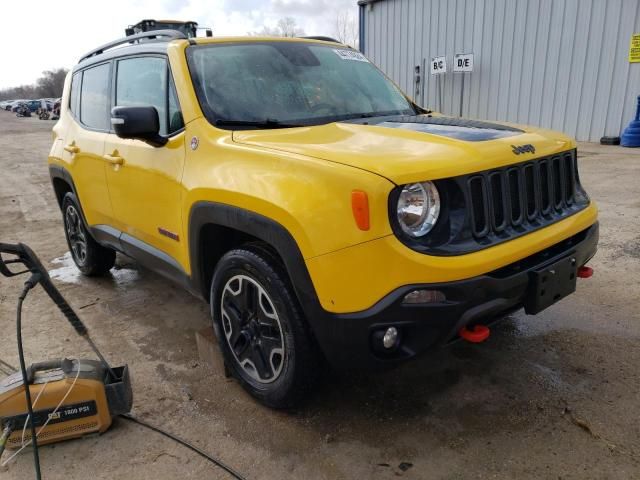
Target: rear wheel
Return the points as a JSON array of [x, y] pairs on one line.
[[262, 333], [90, 257]]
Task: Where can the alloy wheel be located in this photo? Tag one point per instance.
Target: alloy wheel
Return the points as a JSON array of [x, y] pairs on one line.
[[252, 329], [76, 234]]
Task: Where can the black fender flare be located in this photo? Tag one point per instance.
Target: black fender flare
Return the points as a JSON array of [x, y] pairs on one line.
[[260, 227], [58, 172]]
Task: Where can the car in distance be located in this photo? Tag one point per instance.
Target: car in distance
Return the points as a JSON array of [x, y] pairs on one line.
[[13, 106], [320, 212], [7, 104]]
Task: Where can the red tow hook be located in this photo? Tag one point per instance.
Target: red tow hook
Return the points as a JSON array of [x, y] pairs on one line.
[[585, 272], [479, 333]]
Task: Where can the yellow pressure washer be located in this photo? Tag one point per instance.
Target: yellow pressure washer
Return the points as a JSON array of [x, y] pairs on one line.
[[65, 399]]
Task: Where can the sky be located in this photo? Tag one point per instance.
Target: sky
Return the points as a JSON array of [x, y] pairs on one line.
[[39, 35]]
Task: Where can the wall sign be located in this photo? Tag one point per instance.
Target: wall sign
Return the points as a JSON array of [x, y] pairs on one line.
[[463, 62], [438, 65], [634, 48]]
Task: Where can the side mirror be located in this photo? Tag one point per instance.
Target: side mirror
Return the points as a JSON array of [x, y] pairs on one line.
[[209, 32], [140, 123]]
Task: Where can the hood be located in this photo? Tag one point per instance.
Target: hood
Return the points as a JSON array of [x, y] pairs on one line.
[[407, 149]]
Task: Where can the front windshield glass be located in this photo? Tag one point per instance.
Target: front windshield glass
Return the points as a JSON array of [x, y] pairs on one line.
[[290, 83]]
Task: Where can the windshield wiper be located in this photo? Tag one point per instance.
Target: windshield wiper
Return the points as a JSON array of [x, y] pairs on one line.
[[268, 123], [358, 116]]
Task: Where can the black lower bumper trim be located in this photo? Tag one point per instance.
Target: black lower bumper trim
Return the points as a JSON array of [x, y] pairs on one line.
[[346, 339]]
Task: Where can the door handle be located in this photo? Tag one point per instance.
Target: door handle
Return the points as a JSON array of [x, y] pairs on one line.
[[114, 159], [72, 148]]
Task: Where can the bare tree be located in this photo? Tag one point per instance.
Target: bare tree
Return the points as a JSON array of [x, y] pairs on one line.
[[346, 28], [49, 85], [286, 27], [52, 82], [266, 32], [289, 28]]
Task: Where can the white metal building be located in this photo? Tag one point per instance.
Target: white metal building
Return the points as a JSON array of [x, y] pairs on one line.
[[560, 64]]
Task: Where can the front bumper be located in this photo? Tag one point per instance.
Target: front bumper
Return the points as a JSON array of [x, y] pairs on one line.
[[346, 339]]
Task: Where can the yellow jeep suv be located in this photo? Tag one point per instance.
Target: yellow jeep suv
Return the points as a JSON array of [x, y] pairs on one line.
[[322, 214]]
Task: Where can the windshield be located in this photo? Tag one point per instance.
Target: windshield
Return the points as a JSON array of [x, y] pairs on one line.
[[289, 84]]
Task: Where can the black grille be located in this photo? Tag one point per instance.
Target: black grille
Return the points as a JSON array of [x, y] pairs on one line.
[[530, 194], [482, 209]]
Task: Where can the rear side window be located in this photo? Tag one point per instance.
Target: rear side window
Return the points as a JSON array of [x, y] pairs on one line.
[[94, 101], [144, 81], [74, 98]]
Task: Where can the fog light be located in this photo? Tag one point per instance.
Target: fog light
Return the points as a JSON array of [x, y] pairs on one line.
[[424, 296], [390, 338]]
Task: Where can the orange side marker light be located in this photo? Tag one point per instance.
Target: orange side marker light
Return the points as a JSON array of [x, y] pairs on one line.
[[360, 207]]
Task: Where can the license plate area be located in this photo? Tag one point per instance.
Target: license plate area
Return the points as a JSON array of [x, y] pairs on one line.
[[551, 284]]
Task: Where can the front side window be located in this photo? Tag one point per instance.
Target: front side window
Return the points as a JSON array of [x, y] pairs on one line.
[[145, 81], [94, 101], [290, 82]]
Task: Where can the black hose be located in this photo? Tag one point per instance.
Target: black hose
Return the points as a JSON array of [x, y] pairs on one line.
[[29, 284], [184, 443]]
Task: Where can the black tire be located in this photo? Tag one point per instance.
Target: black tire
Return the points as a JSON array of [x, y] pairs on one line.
[[91, 258], [289, 375]]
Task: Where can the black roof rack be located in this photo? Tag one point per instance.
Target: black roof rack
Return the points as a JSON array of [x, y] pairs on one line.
[[324, 39], [155, 34]]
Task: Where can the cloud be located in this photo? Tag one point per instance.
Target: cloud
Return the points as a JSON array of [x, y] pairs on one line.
[[302, 8], [95, 23]]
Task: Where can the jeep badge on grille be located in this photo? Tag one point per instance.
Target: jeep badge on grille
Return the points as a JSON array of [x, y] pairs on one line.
[[518, 149]]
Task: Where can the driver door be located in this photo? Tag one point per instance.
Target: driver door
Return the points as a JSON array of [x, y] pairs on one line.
[[145, 181]]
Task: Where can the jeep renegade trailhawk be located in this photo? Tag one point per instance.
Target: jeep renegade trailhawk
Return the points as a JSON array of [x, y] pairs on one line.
[[321, 213]]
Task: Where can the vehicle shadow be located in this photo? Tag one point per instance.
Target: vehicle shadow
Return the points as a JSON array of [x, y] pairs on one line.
[[499, 384]]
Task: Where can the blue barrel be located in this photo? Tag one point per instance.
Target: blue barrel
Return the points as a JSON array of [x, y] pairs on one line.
[[631, 135]]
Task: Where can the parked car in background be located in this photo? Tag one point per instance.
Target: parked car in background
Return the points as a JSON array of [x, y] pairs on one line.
[[33, 105], [56, 109], [45, 104], [16, 105], [23, 110], [13, 104]]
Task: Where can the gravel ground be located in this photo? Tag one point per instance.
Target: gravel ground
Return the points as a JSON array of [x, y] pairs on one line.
[[552, 396]]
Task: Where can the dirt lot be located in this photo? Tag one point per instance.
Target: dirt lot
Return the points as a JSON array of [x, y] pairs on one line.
[[552, 396]]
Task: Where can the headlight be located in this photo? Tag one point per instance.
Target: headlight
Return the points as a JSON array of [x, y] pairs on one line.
[[418, 208]]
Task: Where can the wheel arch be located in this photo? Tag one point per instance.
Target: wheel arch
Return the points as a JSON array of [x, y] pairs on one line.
[[62, 183], [232, 226]]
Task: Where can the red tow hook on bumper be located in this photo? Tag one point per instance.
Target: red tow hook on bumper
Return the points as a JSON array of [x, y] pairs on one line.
[[585, 272], [479, 333]]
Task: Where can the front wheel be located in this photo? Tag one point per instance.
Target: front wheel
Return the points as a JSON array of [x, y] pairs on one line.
[[262, 334], [90, 257]]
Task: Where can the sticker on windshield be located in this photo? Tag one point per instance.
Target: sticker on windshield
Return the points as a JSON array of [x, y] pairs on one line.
[[350, 55]]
